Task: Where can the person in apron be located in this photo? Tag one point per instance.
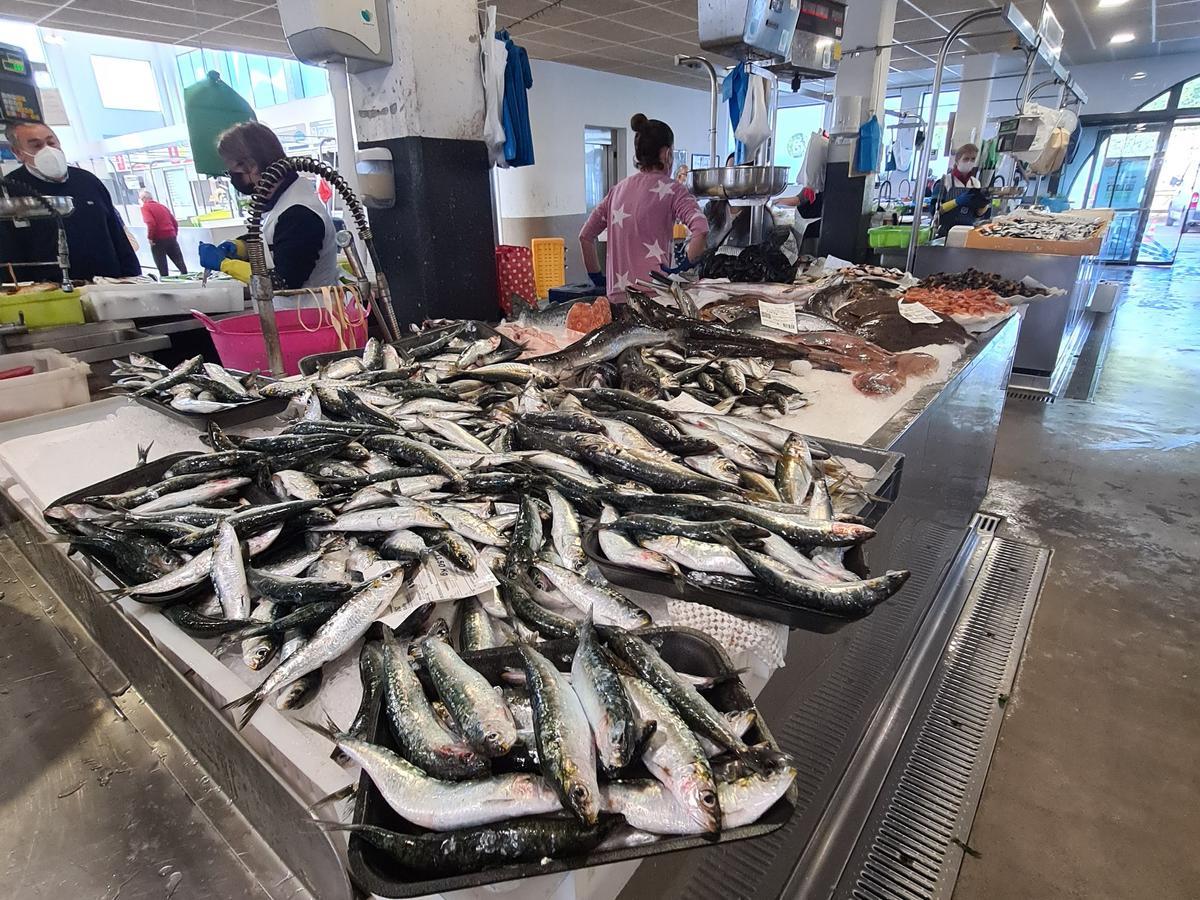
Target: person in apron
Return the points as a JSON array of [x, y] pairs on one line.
[[297, 230], [959, 197]]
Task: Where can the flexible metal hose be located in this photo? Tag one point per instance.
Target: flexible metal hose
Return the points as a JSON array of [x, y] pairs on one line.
[[267, 183]]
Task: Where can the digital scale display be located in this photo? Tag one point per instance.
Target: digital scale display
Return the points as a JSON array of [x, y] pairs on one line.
[[18, 93]]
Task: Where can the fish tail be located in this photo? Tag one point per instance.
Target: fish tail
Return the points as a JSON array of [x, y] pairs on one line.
[[251, 701], [327, 825], [348, 791]]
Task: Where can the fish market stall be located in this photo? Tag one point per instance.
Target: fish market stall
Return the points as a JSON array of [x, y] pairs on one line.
[[461, 496]]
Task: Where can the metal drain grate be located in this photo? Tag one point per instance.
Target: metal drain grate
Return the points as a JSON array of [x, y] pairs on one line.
[[986, 523], [1035, 396], [913, 844]]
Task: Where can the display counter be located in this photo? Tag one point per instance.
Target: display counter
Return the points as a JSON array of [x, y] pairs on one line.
[[1054, 329], [822, 705]]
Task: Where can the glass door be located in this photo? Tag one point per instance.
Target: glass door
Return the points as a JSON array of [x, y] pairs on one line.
[[1125, 167], [1172, 204]]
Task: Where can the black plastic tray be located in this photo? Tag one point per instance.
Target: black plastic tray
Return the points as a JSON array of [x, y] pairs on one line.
[[137, 477], [239, 415], [309, 364], [686, 650], [885, 486]]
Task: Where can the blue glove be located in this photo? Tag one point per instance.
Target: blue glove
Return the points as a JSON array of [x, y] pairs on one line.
[[211, 256], [230, 249], [598, 280], [682, 267]]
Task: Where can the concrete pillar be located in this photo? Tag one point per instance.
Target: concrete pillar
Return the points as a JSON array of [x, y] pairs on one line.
[[859, 92], [436, 245], [973, 99]]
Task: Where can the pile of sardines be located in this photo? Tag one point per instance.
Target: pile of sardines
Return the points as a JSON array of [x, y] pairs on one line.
[[193, 387], [600, 742]]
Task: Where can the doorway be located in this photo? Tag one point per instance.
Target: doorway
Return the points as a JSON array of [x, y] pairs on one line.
[[599, 164], [1147, 173]]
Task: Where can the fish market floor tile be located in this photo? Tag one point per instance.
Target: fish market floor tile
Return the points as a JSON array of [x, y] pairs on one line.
[[1094, 790]]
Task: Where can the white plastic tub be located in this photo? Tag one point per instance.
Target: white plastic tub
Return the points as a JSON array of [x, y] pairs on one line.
[[58, 381], [1104, 299], [109, 302]]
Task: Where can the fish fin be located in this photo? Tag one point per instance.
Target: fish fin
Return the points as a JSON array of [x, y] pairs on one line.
[[327, 825], [143, 453], [711, 682], [348, 791], [649, 727]]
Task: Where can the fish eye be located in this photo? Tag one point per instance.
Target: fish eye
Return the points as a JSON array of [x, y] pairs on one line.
[[708, 799], [492, 737], [580, 793]]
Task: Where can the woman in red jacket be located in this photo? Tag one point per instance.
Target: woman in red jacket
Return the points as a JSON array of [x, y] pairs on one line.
[[163, 232]]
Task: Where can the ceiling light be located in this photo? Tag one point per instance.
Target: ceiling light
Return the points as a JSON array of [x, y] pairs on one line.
[[1110, 4], [1137, 76], [1122, 37]]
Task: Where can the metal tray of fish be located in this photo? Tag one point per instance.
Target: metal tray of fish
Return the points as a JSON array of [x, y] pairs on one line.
[[685, 650], [137, 477], [310, 364], [227, 418]]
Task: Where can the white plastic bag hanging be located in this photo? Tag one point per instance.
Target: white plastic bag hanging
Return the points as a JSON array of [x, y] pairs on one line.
[[815, 158], [755, 125], [493, 57]]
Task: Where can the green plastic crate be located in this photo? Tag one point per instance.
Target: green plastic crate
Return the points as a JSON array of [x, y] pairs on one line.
[[895, 236], [42, 309]]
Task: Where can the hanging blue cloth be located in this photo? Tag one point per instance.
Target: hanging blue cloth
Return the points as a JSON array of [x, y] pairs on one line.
[[870, 144], [734, 89], [518, 78]]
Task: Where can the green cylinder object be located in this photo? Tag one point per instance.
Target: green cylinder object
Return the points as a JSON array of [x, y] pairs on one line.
[[211, 106]]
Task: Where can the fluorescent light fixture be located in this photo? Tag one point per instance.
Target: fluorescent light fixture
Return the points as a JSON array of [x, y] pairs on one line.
[[1123, 37], [1110, 4], [1137, 76], [824, 42]]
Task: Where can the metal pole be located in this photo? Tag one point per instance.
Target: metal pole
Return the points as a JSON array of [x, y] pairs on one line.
[[927, 147]]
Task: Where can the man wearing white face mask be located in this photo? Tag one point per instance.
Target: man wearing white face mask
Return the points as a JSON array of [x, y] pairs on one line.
[[95, 233]]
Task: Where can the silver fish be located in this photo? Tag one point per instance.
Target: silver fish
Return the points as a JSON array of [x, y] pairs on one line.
[[564, 532], [675, 757], [700, 556], [229, 573], [211, 490], [455, 434], [477, 707], [199, 406], [624, 552], [608, 606], [293, 484], [411, 515], [471, 526], [257, 651]]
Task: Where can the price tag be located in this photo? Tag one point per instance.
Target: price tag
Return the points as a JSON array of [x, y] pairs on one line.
[[437, 580], [780, 316], [919, 313]]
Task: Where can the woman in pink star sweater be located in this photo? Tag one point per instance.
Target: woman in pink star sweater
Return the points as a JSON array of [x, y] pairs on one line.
[[640, 214]]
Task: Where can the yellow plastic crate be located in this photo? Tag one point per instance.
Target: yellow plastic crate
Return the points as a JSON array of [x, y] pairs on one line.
[[549, 264], [42, 309]]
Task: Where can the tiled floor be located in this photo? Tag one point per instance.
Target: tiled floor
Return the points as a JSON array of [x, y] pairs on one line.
[[1094, 791]]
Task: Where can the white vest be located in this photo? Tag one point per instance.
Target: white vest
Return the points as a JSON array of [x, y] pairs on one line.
[[301, 193]]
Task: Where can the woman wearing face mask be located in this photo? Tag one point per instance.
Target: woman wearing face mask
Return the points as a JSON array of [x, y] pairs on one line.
[[640, 213], [959, 197], [297, 230], [96, 237]]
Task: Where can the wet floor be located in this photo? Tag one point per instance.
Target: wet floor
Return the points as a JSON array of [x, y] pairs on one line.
[[1094, 790]]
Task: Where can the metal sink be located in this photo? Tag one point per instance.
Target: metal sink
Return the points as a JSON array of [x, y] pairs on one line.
[[94, 342], [739, 182]]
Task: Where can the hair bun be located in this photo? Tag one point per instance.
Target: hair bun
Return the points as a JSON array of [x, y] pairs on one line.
[[638, 122]]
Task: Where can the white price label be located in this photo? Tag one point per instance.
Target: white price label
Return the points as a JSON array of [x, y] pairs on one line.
[[780, 316], [437, 580], [919, 313]]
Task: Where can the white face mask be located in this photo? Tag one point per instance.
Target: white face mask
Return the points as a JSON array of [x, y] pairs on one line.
[[50, 163]]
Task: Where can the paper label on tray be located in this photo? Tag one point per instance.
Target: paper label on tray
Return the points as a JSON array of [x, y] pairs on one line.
[[685, 402], [918, 313], [780, 316], [437, 580]]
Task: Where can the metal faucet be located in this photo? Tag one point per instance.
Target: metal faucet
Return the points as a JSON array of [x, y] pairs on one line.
[[681, 60]]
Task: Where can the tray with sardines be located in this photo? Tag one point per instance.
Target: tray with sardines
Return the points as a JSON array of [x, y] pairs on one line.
[[196, 392], [469, 341], [520, 761]]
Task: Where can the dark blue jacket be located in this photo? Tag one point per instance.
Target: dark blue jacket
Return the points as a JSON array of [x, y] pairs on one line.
[[95, 233], [518, 78]]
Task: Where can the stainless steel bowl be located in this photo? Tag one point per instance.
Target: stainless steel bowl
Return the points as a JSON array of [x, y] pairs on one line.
[[35, 207], [739, 182]]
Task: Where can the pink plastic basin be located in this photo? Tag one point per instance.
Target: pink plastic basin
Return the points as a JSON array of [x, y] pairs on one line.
[[302, 332]]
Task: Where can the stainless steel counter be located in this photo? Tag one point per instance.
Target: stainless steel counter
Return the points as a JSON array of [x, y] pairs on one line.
[[822, 706], [1053, 329]]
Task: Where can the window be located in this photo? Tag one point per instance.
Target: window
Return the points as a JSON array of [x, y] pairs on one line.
[[793, 126], [1159, 102], [939, 133], [314, 80], [126, 84], [262, 92], [1189, 96], [599, 165]]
